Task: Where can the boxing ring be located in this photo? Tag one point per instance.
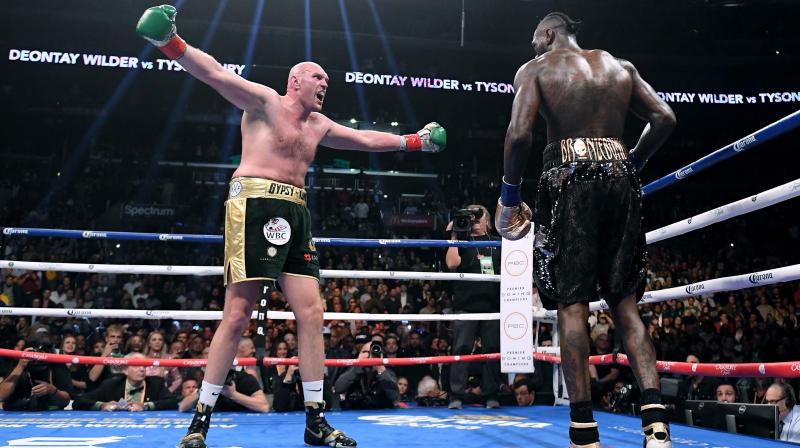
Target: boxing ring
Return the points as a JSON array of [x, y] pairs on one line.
[[541, 426]]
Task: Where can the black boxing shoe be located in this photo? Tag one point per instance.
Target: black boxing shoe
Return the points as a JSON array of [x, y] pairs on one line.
[[196, 435], [319, 432]]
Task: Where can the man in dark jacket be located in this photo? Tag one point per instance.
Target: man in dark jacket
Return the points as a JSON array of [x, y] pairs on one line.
[[36, 385], [132, 392], [367, 387]]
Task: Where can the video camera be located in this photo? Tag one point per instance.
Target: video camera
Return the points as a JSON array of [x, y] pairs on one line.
[[465, 218]]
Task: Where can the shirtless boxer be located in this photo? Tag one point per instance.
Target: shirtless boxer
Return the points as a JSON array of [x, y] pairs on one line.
[[588, 205], [267, 228]]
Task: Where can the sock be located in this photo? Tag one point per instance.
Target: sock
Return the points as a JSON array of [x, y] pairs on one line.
[[655, 414], [582, 413], [209, 393], [312, 391]]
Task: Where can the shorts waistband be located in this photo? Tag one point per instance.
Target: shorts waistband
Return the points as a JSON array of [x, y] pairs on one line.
[[259, 187], [584, 149]]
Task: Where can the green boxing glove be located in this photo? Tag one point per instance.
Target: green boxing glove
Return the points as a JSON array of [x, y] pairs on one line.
[[157, 25], [431, 138]]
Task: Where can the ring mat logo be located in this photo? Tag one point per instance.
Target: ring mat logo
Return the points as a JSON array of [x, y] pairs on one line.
[[73, 442]]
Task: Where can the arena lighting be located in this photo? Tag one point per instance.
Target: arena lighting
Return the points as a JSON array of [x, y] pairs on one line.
[[400, 174], [77, 154], [408, 111], [394, 123], [178, 109], [351, 53], [307, 13], [341, 171], [353, 121]]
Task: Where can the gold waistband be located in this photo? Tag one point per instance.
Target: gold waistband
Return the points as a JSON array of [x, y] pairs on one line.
[[592, 149], [258, 187]]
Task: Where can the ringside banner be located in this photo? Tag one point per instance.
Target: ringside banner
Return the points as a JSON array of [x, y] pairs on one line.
[[448, 82], [516, 305]]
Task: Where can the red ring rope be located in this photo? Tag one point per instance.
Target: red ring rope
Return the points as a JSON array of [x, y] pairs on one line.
[[749, 370]]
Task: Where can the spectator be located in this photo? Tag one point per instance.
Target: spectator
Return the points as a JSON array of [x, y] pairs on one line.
[[247, 349], [112, 346], [602, 376], [133, 391], [402, 389], [429, 393], [367, 387], [36, 385], [291, 343], [135, 344], [783, 396], [78, 372], [603, 326], [196, 346], [726, 393], [700, 387], [523, 393], [9, 289], [156, 348]]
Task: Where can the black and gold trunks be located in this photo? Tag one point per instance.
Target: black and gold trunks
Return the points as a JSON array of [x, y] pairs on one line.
[[267, 231], [591, 149], [589, 242]]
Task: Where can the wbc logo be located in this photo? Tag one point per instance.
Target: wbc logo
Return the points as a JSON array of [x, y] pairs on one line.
[[277, 231]]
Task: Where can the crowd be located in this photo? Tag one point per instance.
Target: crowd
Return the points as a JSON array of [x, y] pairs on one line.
[[753, 325]]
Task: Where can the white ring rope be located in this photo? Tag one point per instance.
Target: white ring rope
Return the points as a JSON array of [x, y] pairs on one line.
[[732, 283], [757, 202], [217, 315], [150, 269]]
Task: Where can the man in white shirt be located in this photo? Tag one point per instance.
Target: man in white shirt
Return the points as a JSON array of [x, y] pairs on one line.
[[783, 396]]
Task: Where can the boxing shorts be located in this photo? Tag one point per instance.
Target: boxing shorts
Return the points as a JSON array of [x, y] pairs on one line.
[[267, 231], [588, 242]]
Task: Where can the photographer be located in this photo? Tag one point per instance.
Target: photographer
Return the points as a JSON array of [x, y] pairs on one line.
[[36, 385], [368, 387], [474, 224], [241, 393]]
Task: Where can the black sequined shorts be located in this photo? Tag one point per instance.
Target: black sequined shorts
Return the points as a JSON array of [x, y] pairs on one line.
[[589, 242]]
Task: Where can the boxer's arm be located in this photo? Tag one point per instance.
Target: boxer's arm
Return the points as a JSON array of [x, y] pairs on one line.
[[647, 105], [246, 95], [343, 137], [519, 136], [431, 138], [157, 25]]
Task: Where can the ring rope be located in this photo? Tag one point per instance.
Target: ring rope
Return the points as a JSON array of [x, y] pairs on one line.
[[732, 283], [745, 370], [762, 135], [153, 269], [217, 315], [217, 239], [761, 200]]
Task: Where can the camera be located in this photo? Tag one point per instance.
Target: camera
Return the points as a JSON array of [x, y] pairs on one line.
[[621, 401], [464, 219], [376, 349]]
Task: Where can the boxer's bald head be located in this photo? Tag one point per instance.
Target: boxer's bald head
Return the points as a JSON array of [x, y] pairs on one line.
[[308, 83]]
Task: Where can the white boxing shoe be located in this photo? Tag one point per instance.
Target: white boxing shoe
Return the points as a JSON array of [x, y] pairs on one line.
[[656, 435]]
